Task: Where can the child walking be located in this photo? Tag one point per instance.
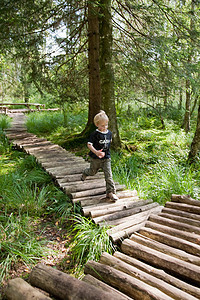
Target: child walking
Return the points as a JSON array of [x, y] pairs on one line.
[[99, 146]]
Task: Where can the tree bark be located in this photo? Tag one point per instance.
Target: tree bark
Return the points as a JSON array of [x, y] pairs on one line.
[[19, 289], [106, 68], [127, 284], [64, 286], [170, 240], [186, 121], [178, 267], [195, 146], [194, 291], [93, 59], [164, 287]]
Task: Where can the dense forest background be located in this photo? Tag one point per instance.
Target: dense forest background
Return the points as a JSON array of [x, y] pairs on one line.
[[97, 53], [137, 60]]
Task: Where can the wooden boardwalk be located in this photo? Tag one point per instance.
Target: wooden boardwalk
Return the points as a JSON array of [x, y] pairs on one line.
[[159, 247]]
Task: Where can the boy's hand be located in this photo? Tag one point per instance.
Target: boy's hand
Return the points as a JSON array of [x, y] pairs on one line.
[[100, 153]]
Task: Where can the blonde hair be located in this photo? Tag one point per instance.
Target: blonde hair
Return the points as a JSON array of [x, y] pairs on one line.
[[101, 116]]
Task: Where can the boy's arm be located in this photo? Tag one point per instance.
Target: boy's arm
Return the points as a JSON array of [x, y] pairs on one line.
[[98, 153]]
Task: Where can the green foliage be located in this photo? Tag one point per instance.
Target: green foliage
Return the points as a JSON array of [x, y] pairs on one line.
[[89, 241], [4, 124], [26, 195]]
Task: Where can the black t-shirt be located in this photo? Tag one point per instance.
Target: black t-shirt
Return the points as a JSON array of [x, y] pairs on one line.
[[100, 140]]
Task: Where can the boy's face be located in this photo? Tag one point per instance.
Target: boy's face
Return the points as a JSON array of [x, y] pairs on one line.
[[102, 126]]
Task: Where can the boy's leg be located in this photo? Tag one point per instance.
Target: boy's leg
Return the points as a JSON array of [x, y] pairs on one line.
[[110, 185], [92, 170]]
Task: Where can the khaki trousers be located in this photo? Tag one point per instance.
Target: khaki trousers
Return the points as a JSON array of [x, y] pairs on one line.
[[105, 165]]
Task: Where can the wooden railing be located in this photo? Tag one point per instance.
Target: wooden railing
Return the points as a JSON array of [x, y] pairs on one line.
[[4, 105]]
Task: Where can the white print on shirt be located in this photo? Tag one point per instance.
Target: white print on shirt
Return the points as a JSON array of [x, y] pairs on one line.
[[104, 142]]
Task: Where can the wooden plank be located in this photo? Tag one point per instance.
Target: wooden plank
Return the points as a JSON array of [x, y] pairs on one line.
[[185, 199], [183, 207], [119, 206], [127, 284], [193, 259], [153, 281], [60, 172], [96, 209], [122, 214], [18, 289], [63, 286], [192, 237], [68, 166], [181, 213], [82, 186], [170, 240], [180, 219], [179, 268], [174, 224], [127, 226], [159, 273], [99, 191], [117, 222], [121, 235], [86, 201], [103, 286], [73, 178]]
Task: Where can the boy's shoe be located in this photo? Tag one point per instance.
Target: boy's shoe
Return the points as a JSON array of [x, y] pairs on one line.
[[112, 197], [83, 177]]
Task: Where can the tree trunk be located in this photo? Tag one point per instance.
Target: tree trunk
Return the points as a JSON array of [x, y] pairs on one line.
[[107, 74], [195, 146], [180, 99], [186, 122], [93, 58]]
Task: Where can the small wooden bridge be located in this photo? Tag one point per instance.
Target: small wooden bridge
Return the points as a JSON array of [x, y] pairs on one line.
[[159, 255]]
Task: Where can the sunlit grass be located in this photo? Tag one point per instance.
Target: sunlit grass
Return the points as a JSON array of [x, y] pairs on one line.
[[89, 241]]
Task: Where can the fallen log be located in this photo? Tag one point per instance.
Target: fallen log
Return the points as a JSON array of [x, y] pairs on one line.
[[166, 288], [127, 284], [99, 284], [185, 199], [122, 214], [165, 249], [171, 240], [64, 286], [183, 207], [19, 289], [189, 236], [179, 268], [180, 219], [192, 290], [174, 224]]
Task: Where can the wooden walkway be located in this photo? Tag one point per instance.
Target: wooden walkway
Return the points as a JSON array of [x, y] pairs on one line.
[[159, 248]]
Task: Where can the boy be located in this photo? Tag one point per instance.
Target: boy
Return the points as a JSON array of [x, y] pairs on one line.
[[99, 145]]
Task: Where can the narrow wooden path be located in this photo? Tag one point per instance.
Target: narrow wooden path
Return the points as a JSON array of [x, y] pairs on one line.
[[159, 255]]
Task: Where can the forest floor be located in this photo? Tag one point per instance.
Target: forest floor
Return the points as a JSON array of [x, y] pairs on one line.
[[57, 241]]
